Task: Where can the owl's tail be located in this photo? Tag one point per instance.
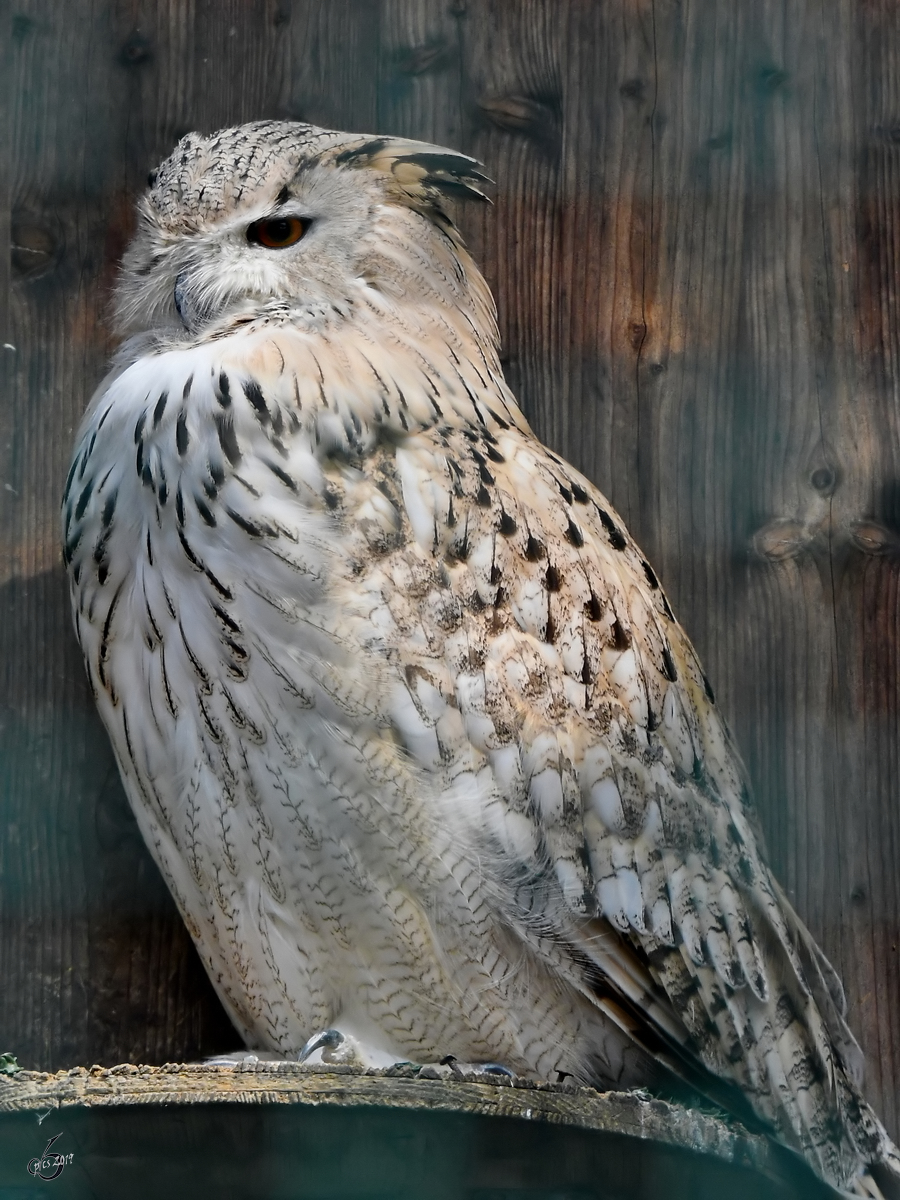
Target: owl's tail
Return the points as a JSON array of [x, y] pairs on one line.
[[789, 1057], [879, 1176], [881, 1181]]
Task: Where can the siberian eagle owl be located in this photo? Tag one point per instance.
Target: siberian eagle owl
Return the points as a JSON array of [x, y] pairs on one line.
[[402, 711]]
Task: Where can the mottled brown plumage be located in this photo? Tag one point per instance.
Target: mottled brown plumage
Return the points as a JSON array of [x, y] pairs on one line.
[[403, 712]]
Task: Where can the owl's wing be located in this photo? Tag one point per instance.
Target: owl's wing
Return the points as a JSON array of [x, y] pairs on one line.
[[541, 657]]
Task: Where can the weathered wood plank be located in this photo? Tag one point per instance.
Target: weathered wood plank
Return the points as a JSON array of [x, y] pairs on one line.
[[694, 246]]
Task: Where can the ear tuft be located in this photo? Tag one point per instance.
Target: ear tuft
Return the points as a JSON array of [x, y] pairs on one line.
[[421, 175]]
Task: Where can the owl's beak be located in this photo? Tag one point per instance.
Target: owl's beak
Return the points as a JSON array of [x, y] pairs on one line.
[[193, 312], [182, 304]]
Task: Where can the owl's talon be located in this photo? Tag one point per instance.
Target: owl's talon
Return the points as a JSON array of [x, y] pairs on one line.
[[491, 1070], [337, 1047], [327, 1041], [467, 1069]]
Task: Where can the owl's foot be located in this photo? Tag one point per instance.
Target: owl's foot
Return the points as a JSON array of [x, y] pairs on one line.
[[486, 1069], [332, 1046], [466, 1068], [451, 1068]]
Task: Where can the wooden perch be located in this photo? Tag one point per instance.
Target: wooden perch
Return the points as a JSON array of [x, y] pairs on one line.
[[481, 1124]]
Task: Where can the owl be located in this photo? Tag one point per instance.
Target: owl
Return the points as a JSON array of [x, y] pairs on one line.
[[402, 711]]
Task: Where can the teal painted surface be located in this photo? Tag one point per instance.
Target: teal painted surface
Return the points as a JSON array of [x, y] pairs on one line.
[[291, 1153]]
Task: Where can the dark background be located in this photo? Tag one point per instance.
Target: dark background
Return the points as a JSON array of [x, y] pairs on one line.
[[695, 248]]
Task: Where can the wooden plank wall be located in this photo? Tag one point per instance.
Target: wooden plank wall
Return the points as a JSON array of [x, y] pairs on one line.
[[695, 247]]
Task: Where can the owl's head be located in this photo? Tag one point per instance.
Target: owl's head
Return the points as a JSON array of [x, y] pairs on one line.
[[277, 213]]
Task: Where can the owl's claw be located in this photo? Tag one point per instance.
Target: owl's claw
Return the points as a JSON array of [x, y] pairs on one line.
[[458, 1068], [327, 1041], [344, 1048]]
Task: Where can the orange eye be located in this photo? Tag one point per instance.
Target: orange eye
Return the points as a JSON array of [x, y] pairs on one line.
[[277, 232]]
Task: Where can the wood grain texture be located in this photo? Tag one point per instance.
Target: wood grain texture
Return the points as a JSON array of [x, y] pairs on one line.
[[695, 247]]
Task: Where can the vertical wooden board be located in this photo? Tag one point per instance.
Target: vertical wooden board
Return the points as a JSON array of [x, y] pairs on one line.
[[810, 466], [420, 72], [511, 56], [46, 780], [188, 64], [866, 521], [511, 63], [333, 67], [785, 403]]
